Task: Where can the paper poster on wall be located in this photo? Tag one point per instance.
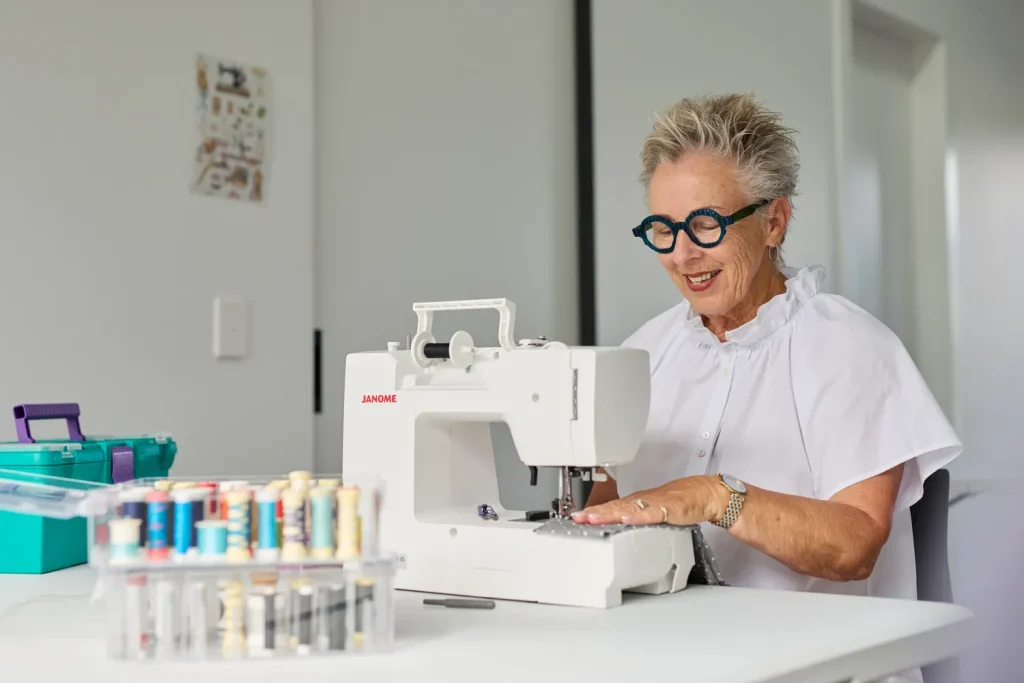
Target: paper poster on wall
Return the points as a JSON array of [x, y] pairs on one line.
[[233, 114]]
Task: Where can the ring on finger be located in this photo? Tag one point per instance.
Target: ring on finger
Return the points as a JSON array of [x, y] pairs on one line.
[[664, 514], [640, 504]]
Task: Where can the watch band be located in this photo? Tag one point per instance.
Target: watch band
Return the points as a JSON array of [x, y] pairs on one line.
[[732, 511], [736, 499]]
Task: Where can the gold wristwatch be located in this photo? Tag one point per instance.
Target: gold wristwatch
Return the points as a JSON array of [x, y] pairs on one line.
[[738, 494]]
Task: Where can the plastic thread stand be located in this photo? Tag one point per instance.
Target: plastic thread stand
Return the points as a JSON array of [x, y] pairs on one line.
[[286, 583]]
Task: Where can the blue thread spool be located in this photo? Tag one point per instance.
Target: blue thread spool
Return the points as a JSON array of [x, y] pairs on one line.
[[156, 524], [184, 522], [213, 538], [322, 513], [268, 548], [333, 485], [165, 485]]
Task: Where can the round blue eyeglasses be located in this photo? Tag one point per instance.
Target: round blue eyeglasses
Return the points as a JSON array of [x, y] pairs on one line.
[[704, 227]]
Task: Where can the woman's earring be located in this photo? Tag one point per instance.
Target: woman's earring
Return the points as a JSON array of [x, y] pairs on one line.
[[774, 258]]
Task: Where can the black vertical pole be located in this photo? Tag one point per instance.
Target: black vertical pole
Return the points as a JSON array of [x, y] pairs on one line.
[[585, 253], [586, 256], [317, 371]]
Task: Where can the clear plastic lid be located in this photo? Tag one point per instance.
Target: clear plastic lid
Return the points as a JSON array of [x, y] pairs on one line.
[[56, 497]]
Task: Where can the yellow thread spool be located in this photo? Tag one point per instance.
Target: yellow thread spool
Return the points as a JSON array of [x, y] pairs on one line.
[[233, 619], [348, 523], [239, 525]]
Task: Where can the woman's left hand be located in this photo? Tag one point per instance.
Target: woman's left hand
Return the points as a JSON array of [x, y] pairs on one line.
[[690, 500]]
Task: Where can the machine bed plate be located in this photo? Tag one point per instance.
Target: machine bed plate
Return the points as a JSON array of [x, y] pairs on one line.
[[705, 571]]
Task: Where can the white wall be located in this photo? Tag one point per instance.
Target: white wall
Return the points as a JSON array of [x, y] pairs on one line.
[[892, 242], [445, 171], [879, 156], [986, 153], [109, 263], [650, 53]]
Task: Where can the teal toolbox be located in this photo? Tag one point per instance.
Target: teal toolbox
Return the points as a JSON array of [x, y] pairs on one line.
[[31, 544]]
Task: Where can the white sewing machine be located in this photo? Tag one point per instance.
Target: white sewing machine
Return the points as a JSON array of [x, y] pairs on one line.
[[419, 418]]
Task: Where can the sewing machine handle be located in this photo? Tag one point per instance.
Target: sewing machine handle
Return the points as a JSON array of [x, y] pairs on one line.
[[505, 308]]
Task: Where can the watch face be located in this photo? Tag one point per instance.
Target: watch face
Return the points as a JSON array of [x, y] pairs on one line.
[[734, 483]]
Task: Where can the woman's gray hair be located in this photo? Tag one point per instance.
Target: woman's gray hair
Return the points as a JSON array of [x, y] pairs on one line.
[[732, 126]]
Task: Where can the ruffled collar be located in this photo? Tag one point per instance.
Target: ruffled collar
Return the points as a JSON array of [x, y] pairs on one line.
[[801, 285]]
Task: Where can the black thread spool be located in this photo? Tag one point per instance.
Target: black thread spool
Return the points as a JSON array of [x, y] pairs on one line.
[[437, 350]]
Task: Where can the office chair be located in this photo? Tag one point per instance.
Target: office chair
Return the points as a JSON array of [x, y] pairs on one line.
[[929, 518]]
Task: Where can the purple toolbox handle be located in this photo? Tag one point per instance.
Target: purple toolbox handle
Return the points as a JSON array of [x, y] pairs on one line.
[[47, 411]]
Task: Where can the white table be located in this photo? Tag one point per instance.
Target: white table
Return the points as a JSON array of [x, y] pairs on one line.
[[50, 630]]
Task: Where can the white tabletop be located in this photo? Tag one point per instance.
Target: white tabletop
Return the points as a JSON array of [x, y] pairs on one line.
[[50, 628]]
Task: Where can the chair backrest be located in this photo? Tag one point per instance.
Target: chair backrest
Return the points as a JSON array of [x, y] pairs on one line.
[[930, 520]]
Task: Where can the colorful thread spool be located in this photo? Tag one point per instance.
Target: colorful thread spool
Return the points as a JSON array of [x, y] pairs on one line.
[[124, 539], [300, 478], [348, 523], [198, 506], [279, 486], [268, 546], [322, 510], [210, 509], [165, 485], [254, 517], [133, 504], [184, 521], [333, 485], [222, 499], [157, 511], [239, 525], [213, 538], [294, 528], [300, 481]]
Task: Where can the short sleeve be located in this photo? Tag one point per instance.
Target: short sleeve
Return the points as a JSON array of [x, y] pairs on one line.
[[864, 407]]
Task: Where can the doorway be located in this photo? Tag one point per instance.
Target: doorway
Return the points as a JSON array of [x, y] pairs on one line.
[[894, 245]]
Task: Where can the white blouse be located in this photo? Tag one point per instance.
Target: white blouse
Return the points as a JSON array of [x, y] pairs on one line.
[[810, 397]]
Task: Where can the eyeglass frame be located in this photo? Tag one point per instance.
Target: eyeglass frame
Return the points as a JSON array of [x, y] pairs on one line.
[[723, 222]]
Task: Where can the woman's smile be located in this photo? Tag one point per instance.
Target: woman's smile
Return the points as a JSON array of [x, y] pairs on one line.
[[699, 282]]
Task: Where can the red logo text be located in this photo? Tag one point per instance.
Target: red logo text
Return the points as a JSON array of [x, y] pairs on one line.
[[380, 398]]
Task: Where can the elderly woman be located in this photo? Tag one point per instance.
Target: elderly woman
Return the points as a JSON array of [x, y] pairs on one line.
[[790, 419]]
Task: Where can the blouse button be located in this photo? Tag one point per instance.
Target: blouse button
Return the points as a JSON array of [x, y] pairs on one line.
[[707, 434]]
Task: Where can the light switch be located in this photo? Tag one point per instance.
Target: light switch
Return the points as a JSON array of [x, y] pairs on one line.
[[230, 328]]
